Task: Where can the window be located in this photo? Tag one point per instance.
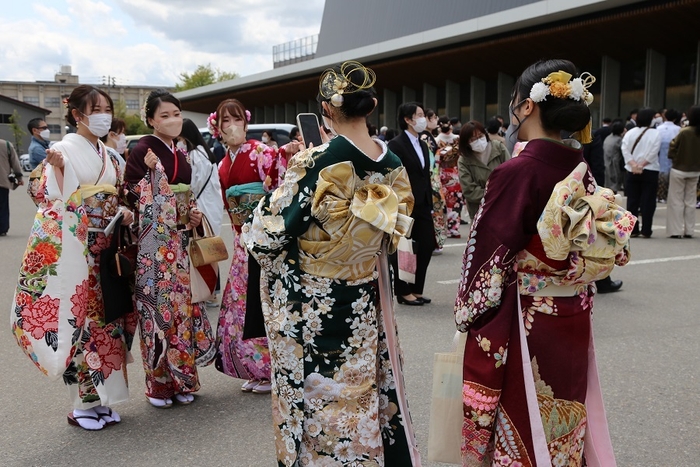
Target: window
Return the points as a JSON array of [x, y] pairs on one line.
[[34, 100], [52, 101], [132, 104], [55, 129], [5, 118]]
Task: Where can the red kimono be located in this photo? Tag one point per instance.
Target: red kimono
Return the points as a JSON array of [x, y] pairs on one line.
[[505, 257]]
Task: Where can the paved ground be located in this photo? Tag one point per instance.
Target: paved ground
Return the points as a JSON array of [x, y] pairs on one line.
[[648, 339]]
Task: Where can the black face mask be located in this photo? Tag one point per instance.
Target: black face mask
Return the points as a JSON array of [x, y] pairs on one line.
[[511, 136]]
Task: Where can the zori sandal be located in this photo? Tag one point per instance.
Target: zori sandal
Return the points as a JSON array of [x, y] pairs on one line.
[[107, 415], [86, 421]]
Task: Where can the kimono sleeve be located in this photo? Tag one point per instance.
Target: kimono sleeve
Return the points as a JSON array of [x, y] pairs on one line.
[[499, 231], [284, 214]]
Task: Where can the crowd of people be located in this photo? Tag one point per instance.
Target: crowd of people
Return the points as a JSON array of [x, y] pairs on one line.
[[307, 309]]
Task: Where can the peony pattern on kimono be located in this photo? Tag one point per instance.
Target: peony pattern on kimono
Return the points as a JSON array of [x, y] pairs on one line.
[[334, 398]]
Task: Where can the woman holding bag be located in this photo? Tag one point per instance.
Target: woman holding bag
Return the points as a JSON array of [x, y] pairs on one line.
[[530, 385], [58, 312], [175, 333], [248, 171]]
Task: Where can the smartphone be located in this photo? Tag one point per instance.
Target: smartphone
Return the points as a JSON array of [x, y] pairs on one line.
[[309, 128]]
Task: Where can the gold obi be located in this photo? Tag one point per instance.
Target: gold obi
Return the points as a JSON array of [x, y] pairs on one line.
[[240, 207], [101, 204], [182, 194], [353, 217]]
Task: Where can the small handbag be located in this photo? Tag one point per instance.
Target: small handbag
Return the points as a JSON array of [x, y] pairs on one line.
[[117, 278], [206, 249], [407, 260]]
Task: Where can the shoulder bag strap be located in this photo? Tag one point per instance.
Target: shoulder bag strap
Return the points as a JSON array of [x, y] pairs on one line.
[[639, 138], [205, 183]]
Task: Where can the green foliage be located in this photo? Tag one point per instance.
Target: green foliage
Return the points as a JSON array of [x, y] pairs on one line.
[[17, 131], [202, 76], [135, 126], [119, 110]]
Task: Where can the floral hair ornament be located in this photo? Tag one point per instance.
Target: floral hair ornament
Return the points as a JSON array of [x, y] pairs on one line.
[[560, 85], [144, 110], [213, 125], [65, 102], [247, 116], [334, 85]]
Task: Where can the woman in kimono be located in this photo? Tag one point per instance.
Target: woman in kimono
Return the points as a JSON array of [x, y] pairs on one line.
[[543, 234], [175, 333], [447, 156], [58, 314], [249, 170], [322, 240]]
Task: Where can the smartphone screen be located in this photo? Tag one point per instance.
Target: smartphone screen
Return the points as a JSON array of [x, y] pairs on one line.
[[308, 126]]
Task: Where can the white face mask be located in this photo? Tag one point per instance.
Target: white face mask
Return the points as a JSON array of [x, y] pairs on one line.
[[419, 124], [265, 139], [98, 124], [234, 135], [328, 123], [479, 145], [121, 143], [45, 134], [656, 122], [171, 127]]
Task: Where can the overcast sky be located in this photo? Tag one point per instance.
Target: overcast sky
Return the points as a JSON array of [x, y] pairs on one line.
[[147, 42]]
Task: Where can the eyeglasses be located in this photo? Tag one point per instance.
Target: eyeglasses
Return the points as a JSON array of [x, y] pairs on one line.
[[43, 127]]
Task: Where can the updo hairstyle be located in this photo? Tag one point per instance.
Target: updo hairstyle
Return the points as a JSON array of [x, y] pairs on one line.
[[556, 114], [354, 83]]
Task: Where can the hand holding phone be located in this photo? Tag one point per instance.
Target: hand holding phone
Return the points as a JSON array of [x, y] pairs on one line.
[[309, 129]]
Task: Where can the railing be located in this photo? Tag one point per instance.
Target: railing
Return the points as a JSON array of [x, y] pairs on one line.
[[298, 50]]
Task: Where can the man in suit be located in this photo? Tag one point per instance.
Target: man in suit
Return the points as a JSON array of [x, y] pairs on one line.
[[415, 156]]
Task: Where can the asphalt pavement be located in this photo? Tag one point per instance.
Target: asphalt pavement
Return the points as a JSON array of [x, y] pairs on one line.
[[647, 338]]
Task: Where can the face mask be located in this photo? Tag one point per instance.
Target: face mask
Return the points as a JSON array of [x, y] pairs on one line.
[[45, 134], [328, 123], [432, 124], [182, 146], [171, 127], [420, 124], [98, 124], [656, 122], [121, 143], [479, 145], [511, 137], [265, 139], [234, 135]]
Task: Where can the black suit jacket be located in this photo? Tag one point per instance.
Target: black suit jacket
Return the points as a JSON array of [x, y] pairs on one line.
[[417, 175]]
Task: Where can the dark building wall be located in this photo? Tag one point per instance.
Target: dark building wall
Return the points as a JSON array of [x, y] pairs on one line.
[[348, 25], [26, 114]]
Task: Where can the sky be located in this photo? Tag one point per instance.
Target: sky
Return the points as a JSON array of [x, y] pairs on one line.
[[147, 42]]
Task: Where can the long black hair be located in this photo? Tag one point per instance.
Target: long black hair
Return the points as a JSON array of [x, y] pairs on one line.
[[194, 138]]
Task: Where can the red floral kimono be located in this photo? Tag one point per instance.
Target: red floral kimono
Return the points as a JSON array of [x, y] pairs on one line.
[[253, 163], [543, 235]]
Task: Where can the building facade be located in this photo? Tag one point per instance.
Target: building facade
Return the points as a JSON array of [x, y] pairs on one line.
[[50, 94], [24, 112], [461, 57]]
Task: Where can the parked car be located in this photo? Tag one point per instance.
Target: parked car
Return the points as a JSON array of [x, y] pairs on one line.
[[280, 131], [24, 162]]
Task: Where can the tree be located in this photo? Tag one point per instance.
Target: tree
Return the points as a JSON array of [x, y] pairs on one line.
[[202, 76], [119, 110], [17, 131], [135, 126]]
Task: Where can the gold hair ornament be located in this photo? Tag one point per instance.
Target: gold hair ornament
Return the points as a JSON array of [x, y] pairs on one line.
[[334, 85], [560, 85]]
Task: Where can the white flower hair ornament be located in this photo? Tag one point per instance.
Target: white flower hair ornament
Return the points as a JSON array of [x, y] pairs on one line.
[[560, 85]]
